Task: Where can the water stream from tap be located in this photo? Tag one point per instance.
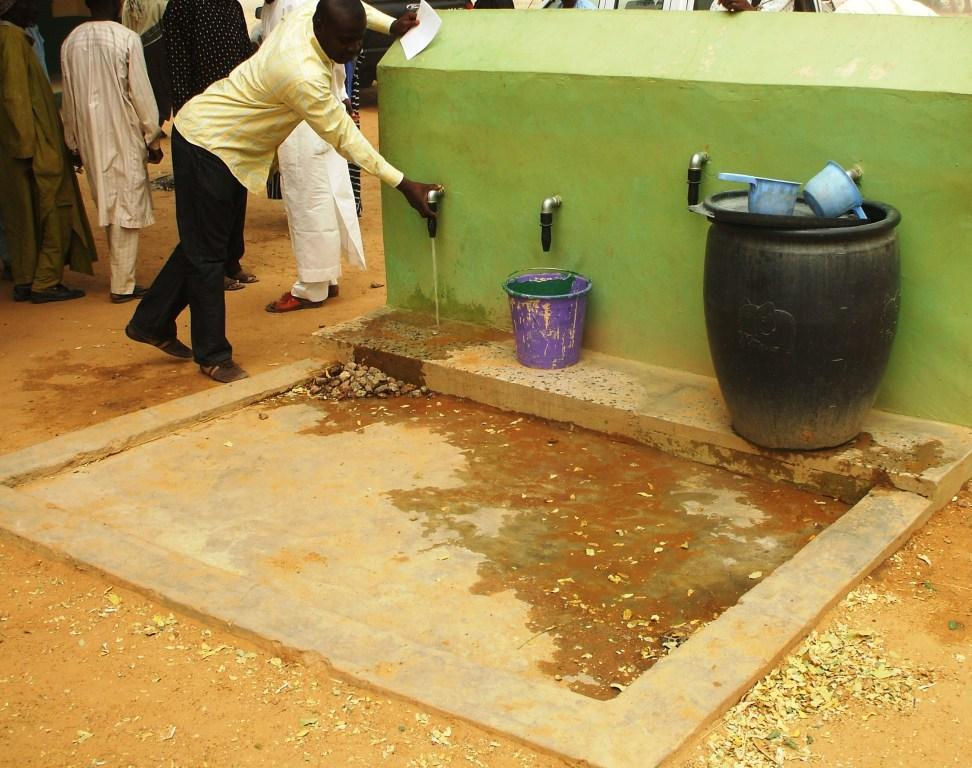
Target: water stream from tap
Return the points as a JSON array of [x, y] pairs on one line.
[[435, 280]]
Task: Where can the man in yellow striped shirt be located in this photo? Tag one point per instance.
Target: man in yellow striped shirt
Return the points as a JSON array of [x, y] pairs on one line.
[[223, 145]]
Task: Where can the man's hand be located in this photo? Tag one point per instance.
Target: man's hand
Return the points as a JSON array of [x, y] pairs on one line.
[[155, 153], [403, 23], [734, 6], [417, 195]]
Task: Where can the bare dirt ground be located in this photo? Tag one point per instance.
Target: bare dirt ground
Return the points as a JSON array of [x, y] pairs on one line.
[[69, 364], [919, 612], [93, 674]]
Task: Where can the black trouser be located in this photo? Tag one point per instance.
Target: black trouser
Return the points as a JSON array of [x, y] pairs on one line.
[[210, 210]]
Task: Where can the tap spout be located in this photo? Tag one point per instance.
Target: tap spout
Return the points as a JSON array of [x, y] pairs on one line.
[[695, 176], [546, 220], [433, 198]]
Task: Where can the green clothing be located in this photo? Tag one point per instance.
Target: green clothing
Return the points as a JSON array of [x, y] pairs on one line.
[[40, 202]]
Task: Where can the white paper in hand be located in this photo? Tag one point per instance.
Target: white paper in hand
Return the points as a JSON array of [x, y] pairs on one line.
[[417, 38]]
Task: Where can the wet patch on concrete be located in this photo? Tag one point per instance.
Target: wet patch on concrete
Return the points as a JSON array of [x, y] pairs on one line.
[[415, 336], [764, 464], [679, 412], [918, 457], [620, 551]]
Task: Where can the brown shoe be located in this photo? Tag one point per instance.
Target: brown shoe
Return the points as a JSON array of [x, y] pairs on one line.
[[224, 372]]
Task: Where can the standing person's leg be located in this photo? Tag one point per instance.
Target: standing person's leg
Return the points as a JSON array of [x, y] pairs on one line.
[[210, 223], [208, 202], [4, 253], [314, 234], [55, 233], [236, 276], [17, 198], [123, 251], [154, 320]]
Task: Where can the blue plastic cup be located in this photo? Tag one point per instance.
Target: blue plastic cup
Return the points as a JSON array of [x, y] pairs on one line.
[[832, 193]]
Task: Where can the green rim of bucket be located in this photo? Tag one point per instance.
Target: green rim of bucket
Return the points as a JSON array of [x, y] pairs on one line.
[[559, 287]]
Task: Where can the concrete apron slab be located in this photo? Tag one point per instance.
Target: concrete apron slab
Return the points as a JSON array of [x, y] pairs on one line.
[[641, 727], [678, 412], [528, 547]]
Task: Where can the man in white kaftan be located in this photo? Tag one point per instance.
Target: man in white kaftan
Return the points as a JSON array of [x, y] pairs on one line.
[[111, 120], [317, 196]]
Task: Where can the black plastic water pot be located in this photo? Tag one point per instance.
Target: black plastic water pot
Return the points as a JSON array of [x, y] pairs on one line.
[[800, 323]]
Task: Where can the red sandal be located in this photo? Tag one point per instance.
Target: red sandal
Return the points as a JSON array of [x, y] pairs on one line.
[[290, 303]]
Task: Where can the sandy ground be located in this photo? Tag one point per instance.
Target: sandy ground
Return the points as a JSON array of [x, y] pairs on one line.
[[70, 364], [93, 674]]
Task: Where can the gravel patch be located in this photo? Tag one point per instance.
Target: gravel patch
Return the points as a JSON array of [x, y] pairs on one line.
[[353, 381]]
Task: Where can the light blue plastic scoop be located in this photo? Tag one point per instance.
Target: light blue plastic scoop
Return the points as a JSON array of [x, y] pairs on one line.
[[775, 197]]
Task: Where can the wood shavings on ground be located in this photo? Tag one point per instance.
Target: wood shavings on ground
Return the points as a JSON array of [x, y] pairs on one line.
[[773, 723], [867, 595]]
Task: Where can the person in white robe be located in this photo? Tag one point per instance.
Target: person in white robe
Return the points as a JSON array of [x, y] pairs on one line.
[[111, 123], [318, 198], [884, 7]]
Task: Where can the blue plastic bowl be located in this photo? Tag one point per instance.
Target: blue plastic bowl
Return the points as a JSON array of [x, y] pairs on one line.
[[832, 193]]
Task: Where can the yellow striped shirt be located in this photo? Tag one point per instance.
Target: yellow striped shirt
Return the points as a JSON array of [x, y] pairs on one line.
[[243, 118]]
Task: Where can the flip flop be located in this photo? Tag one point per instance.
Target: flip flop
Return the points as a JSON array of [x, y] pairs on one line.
[[246, 277], [231, 284], [290, 303]]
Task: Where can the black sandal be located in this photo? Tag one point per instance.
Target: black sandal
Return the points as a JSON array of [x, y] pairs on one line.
[[171, 346]]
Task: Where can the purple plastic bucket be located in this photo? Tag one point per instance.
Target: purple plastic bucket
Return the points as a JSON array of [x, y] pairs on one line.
[[548, 308]]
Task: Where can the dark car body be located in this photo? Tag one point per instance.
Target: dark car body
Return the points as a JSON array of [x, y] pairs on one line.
[[375, 43]]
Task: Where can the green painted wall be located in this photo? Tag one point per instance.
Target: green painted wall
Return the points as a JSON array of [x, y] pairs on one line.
[[606, 108]]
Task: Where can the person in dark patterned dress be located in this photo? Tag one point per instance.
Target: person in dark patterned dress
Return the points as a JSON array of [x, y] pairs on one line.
[[205, 40]]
